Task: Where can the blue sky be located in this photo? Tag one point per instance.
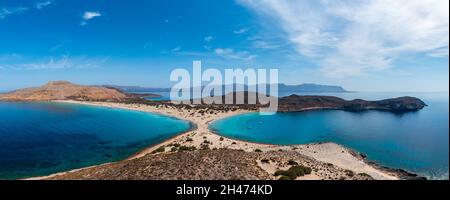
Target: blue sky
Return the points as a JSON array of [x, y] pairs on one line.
[[375, 45]]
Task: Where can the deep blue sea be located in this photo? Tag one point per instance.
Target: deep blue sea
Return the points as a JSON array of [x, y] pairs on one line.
[[415, 141], [42, 138]]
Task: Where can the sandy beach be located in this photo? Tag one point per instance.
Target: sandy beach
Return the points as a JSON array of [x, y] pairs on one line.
[[332, 158]]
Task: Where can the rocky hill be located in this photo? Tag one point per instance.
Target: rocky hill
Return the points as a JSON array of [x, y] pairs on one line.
[[63, 90], [299, 103]]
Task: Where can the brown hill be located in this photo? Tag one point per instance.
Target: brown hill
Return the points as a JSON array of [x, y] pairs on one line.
[[63, 90], [299, 103]]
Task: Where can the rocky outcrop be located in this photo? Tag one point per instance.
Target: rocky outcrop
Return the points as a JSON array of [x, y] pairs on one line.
[[395, 104], [63, 90], [301, 103]]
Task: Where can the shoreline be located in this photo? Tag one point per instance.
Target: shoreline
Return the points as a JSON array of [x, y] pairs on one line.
[[326, 152]]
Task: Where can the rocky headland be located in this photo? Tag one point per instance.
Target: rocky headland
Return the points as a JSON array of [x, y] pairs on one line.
[[300, 103]]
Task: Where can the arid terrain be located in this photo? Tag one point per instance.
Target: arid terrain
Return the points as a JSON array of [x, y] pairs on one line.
[[62, 90], [218, 164]]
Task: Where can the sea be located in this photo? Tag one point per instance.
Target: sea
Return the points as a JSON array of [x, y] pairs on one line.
[[38, 139], [414, 141]]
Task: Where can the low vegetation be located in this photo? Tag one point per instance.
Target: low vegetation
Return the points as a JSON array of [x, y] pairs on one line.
[[159, 150], [291, 162], [186, 148], [293, 172], [365, 175], [349, 173], [205, 146]]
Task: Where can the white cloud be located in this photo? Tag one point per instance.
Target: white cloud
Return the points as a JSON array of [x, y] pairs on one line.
[[89, 15], [4, 12], [232, 54], [176, 49], [241, 31], [209, 38], [41, 5], [356, 37]]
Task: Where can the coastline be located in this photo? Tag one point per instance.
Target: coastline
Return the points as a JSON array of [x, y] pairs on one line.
[[327, 153]]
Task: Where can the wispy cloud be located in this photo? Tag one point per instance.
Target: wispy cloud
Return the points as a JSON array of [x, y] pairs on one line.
[[60, 45], [89, 15], [5, 12], [241, 31], [43, 4], [51, 62], [209, 38], [232, 54], [358, 37], [267, 42], [176, 49]]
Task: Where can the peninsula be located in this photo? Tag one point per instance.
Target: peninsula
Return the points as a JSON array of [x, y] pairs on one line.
[[202, 154]]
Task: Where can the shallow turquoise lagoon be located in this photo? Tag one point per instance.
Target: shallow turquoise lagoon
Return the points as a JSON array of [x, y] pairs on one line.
[[43, 138], [415, 141]]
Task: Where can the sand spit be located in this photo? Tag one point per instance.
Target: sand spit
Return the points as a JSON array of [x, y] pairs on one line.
[[202, 154]]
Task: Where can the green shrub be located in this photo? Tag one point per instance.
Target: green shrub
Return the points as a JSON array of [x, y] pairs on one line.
[[205, 147], [289, 173], [301, 170], [284, 178], [298, 170], [186, 148], [174, 149], [279, 172], [364, 174], [349, 173], [306, 170], [221, 139], [189, 139], [159, 150], [265, 161], [258, 150], [176, 145], [291, 162], [294, 172]]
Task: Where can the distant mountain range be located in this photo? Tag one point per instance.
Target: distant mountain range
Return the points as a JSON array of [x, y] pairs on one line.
[[310, 87], [302, 88]]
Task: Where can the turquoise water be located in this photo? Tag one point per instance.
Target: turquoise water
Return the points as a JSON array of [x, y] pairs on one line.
[[415, 141], [42, 138]]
